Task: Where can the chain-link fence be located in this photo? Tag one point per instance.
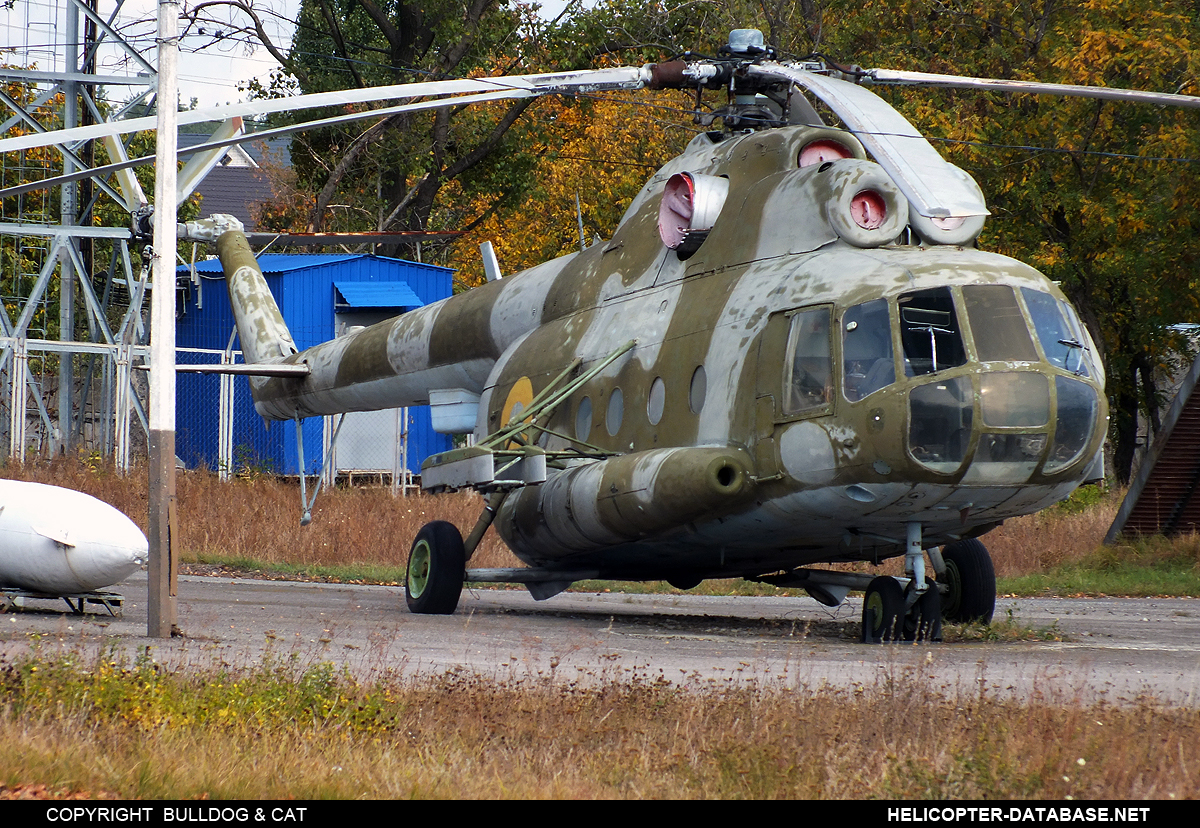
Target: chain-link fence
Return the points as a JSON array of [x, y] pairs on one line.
[[218, 429]]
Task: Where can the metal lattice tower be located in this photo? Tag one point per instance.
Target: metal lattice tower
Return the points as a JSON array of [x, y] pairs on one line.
[[70, 273]]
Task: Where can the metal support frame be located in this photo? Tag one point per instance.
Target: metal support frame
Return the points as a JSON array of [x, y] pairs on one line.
[[12, 598], [510, 457], [306, 505], [94, 402], [225, 409]]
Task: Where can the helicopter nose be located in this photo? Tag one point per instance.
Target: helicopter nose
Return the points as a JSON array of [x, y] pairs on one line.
[[1026, 420]]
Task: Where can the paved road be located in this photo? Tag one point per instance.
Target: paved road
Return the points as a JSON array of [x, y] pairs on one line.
[[1115, 648]]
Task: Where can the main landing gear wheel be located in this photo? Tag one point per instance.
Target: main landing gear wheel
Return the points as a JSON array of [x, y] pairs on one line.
[[436, 567], [972, 582], [883, 606]]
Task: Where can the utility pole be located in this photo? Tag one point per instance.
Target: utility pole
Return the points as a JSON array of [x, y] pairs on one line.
[[163, 576]]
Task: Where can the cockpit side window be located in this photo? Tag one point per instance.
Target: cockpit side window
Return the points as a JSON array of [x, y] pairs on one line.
[[1058, 330], [929, 332], [867, 362], [808, 385]]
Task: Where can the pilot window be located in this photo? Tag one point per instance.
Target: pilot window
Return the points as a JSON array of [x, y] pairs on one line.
[[808, 385], [929, 332], [1059, 331], [866, 350], [999, 329]]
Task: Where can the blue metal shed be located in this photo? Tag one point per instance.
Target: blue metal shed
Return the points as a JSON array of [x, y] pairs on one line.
[[320, 296]]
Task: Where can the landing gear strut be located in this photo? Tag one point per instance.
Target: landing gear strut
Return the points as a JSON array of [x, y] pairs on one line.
[[913, 614]]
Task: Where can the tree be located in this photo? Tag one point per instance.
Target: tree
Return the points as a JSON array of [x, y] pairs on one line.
[[1097, 195], [592, 158], [388, 176], [392, 174]]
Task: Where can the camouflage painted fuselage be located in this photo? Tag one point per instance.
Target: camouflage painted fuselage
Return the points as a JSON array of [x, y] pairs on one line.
[[792, 397]]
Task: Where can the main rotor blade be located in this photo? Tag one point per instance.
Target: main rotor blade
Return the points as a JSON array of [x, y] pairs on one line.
[[1108, 93], [934, 187], [516, 86], [262, 135]]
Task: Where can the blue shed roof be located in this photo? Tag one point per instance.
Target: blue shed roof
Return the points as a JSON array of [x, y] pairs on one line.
[[272, 263], [376, 295]]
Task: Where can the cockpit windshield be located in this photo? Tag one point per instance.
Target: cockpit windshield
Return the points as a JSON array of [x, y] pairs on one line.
[[930, 332], [1059, 332], [999, 329]]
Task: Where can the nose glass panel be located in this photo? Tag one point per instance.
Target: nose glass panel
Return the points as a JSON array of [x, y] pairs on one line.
[[1058, 330], [939, 431], [1005, 459], [997, 325], [1077, 411], [1011, 448], [1010, 399]]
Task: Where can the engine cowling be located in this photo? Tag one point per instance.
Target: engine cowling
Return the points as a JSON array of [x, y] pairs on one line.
[[621, 499]]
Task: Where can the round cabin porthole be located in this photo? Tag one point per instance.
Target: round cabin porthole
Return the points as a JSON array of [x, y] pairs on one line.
[[657, 401], [583, 419], [615, 412]]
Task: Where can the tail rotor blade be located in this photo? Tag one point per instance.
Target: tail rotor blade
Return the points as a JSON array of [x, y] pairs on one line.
[[201, 164]]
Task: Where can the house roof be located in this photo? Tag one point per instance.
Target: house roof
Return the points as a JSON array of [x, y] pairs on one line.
[[235, 191], [275, 150], [237, 183]]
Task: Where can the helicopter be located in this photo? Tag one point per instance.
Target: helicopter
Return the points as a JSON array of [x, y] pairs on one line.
[[789, 354]]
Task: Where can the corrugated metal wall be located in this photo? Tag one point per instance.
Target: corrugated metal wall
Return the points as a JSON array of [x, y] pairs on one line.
[[303, 287]]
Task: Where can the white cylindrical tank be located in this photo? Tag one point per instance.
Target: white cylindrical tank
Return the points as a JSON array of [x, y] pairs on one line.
[[59, 541]]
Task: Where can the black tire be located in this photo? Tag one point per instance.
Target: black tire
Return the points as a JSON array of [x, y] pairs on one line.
[[883, 608], [972, 582], [924, 621], [437, 564]]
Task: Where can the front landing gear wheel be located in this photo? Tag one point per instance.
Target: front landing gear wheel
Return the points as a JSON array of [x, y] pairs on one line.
[[972, 582], [436, 567], [923, 622], [883, 608]]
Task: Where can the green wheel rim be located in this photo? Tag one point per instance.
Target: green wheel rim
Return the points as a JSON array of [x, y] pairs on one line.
[[953, 597], [418, 569], [875, 607]]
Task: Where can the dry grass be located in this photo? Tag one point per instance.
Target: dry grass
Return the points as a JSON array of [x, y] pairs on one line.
[[1057, 536], [258, 519], [255, 520], [278, 731]]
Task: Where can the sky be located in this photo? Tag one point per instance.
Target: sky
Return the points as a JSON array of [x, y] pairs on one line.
[[211, 75]]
